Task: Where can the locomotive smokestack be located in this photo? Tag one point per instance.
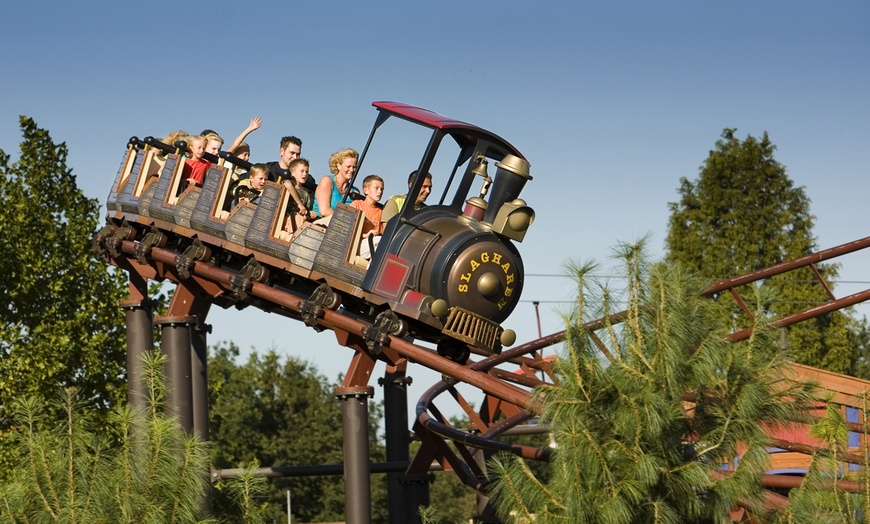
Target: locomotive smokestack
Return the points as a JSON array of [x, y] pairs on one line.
[[510, 177]]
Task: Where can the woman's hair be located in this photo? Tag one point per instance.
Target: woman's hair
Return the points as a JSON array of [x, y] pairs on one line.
[[175, 135], [339, 157]]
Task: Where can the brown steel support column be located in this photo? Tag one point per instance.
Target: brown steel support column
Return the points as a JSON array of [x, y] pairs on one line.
[[175, 333], [199, 393], [187, 310], [395, 384], [139, 319], [355, 428], [140, 340], [485, 512], [199, 378]]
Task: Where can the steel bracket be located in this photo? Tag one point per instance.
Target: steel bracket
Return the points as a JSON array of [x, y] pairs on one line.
[[113, 243], [243, 281], [313, 309], [151, 239], [194, 252]]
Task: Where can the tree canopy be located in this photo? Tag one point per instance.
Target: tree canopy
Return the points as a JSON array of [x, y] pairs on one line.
[[744, 213], [60, 324], [280, 412]]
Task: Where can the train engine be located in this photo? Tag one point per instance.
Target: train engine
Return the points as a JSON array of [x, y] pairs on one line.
[[466, 260]]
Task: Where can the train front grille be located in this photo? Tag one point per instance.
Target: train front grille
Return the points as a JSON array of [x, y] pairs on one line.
[[471, 328]]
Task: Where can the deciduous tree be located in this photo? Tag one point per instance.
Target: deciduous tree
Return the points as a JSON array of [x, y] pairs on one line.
[[280, 412], [60, 324]]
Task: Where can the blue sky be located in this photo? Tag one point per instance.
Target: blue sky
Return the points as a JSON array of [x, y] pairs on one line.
[[611, 102]]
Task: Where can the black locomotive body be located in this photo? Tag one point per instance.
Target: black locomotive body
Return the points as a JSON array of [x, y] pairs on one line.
[[448, 273]]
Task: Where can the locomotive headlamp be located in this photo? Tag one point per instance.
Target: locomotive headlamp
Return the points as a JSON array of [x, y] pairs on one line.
[[513, 219], [507, 337], [439, 308]]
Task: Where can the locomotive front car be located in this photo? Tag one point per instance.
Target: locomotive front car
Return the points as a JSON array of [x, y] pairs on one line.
[[452, 264]]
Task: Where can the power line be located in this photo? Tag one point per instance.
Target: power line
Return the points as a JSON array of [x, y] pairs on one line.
[[800, 281]]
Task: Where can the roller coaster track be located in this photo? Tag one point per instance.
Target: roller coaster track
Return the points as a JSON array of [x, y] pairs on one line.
[[504, 379]]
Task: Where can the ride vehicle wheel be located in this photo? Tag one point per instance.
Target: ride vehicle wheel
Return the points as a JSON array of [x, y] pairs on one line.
[[455, 350]]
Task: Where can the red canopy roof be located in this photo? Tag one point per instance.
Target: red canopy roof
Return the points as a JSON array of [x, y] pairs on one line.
[[446, 124]]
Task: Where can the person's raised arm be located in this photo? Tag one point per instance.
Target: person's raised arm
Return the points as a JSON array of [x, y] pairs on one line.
[[253, 126]]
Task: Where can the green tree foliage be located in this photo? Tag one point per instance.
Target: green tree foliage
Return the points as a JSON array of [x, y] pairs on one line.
[[60, 324], [859, 340], [282, 413], [629, 448], [743, 213], [72, 472], [821, 496]]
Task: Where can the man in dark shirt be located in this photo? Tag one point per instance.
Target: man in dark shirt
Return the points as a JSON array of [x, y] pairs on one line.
[[290, 150]]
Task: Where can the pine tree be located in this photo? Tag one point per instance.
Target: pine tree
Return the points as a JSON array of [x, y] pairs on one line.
[[822, 496], [73, 473], [744, 213], [641, 436], [60, 324]]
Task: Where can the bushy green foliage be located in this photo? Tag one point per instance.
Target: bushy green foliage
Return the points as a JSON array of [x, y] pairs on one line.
[[70, 473], [248, 492], [629, 447], [859, 340], [280, 412], [60, 324], [744, 213], [821, 496]]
